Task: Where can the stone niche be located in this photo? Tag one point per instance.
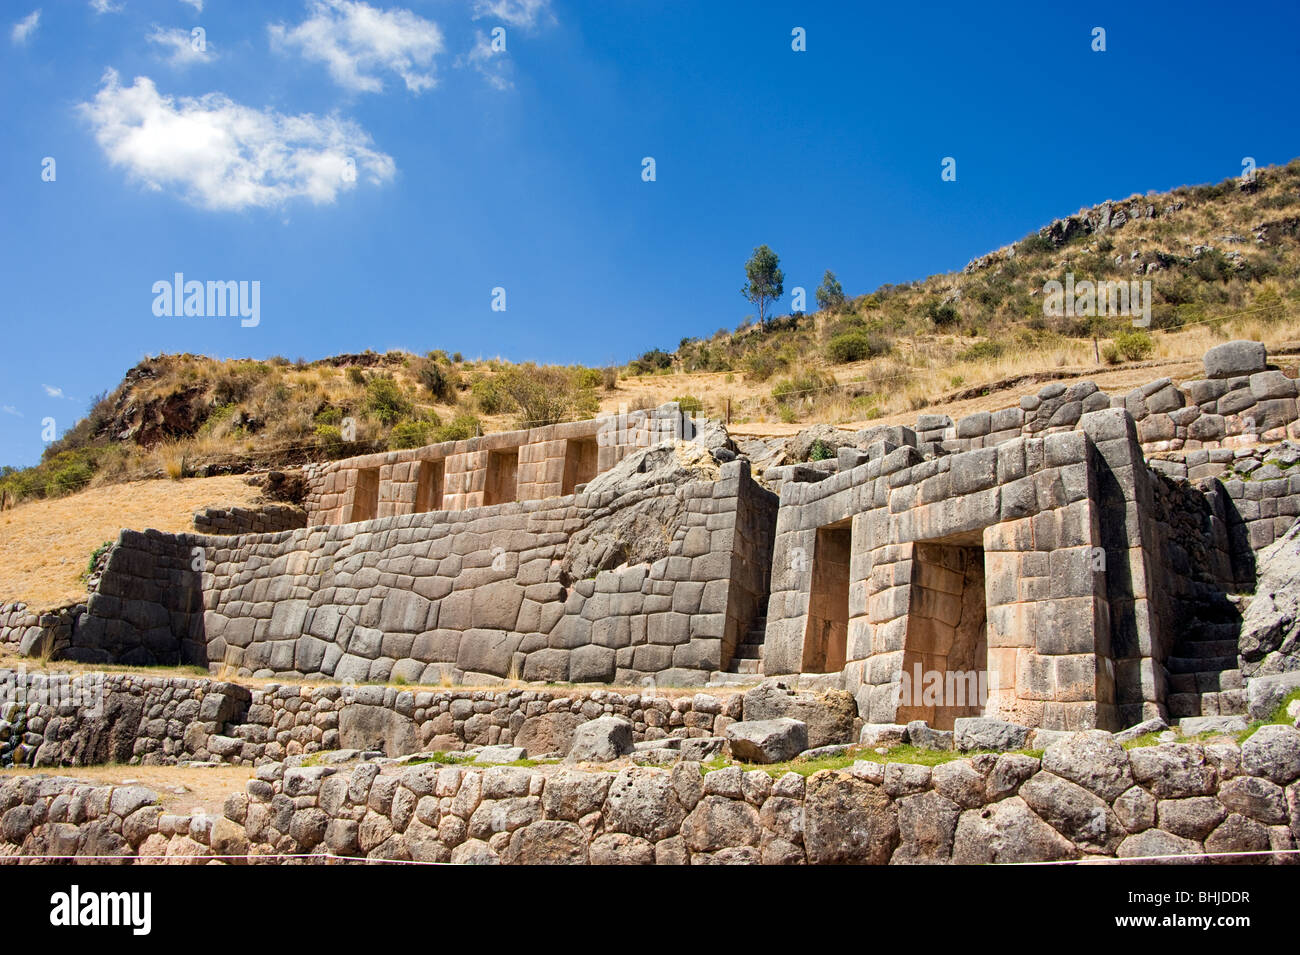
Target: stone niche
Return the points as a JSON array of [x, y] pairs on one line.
[[502, 477], [365, 495], [983, 572]]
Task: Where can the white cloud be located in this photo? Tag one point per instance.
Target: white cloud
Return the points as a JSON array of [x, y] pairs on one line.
[[105, 6], [54, 392], [517, 13], [10, 409], [356, 41], [179, 45], [222, 155], [493, 66], [24, 28], [196, 4]]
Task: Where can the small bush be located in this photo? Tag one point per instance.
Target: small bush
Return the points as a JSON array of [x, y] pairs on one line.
[[386, 401], [441, 382], [356, 375], [981, 351], [820, 451], [461, 427], [487, 394], [1128, 346], [415, 432], [609, 378], [689, 404], [943, 316], [856, 346]]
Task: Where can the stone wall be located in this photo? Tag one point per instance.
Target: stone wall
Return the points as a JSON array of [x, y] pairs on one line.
[[1034, 508], [263, 519], [528, 465], [542, 590], [1085, 799], [1240, 402], [153, 720]]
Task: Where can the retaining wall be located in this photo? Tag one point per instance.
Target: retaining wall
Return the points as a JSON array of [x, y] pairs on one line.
[[1086, 799]]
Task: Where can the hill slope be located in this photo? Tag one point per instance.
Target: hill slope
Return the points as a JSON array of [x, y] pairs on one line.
[[1223, 261]]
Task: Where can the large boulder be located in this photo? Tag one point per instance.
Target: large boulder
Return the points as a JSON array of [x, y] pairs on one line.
[[600, 740], [548, 733], [830, 715], [1234, 359], [1268, 642], [986, 732], [365, 727], [1008, 831], [848, 821], [767, 741]]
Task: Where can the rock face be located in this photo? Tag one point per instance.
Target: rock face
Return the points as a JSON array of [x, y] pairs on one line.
[[600, 740], [1271, 624], [829, 716], [767, 741]]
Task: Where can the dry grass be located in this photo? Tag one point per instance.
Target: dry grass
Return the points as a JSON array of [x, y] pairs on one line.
[[181, 790], [45, 545], [924, 375]]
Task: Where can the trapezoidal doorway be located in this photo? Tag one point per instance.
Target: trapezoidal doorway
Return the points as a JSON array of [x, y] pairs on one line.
[[580, 463], [826, 640], [945, 657], [501, 485]]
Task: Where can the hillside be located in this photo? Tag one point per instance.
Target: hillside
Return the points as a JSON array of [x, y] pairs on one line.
[[1223, 261]]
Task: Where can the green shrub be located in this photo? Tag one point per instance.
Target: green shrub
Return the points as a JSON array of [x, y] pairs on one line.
[[943, 315], [820, 451], [689, 404], [1128, 346], [440, 381], [487, 394], [385, 400], [981, 351], [461, 427], [414, 432], [356, 375], [856, 346]]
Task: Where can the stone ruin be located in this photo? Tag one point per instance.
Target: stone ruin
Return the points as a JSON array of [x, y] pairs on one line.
[[1067, 563]]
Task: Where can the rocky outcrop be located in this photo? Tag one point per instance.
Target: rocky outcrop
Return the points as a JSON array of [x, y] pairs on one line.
[[1271, 624]]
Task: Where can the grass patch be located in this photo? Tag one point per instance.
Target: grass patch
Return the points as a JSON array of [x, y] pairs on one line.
[[905, 753]]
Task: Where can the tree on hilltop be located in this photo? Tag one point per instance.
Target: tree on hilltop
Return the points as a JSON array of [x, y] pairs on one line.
[[766, 281]]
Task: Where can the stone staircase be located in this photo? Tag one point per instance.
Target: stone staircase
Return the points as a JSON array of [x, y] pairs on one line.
[[746, 664], [1204, 678]]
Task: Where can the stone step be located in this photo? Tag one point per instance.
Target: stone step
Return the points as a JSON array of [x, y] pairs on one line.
[[1183, 704], [740, 665], [1225, 703], [726, 678], [1197, 664], [1214, 682], [1207, 648], [748, 651]]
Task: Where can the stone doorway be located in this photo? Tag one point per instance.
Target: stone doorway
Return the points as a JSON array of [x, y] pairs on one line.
[[945, 657], [826, 640], [502, 482]]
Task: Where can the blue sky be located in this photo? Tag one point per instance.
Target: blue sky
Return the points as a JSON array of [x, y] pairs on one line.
[[522, 169]]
